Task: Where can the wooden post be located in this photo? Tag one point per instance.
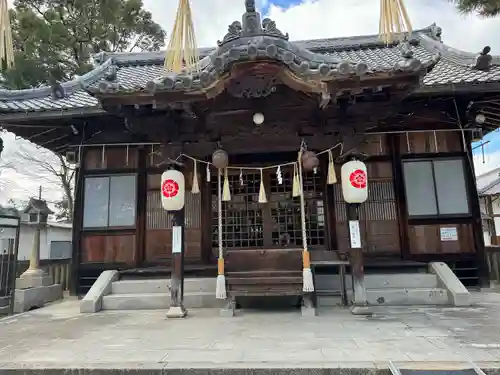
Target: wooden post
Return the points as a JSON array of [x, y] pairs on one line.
[[356, 260], [177, 309], [491, 220]]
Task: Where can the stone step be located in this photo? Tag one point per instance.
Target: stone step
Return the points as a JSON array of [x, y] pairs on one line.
[[381, 281], [4, 301], [394, 297], [4, 310], [150, 286], [155, 301]]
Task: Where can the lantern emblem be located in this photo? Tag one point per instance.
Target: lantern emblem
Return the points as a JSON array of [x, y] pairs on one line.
[[169, 188], [358, 179], [173, 187]]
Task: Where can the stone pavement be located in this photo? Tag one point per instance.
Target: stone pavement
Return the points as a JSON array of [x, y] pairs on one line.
[[58, 335]]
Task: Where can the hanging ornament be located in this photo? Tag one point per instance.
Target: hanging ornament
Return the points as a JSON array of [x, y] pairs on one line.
[[182, 52], [242, 183], [208, 172], [296, 182], [226, 192], [262, 190], [6, 46], [220, 159], [195, 189], [279, 175], [309, 161], [394, 20], [332, 176]]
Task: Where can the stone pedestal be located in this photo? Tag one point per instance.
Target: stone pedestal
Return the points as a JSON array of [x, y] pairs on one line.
[[34, 289], [176, 312], [33, 279]]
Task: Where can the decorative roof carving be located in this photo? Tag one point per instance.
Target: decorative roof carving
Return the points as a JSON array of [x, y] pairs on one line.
[[251, 27]]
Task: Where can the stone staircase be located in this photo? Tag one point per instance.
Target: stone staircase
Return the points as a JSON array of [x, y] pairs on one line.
[[152, 294], [393, 289]]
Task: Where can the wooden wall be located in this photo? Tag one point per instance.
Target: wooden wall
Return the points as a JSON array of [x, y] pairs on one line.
[[149, 241]]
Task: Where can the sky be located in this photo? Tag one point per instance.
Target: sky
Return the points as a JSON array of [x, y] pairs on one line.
[[308, 19]]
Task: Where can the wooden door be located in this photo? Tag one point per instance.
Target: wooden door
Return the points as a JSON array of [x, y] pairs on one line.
[[248, 224]]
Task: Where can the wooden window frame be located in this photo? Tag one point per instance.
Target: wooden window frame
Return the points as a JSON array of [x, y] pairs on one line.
[[438, 215], [109, 227]]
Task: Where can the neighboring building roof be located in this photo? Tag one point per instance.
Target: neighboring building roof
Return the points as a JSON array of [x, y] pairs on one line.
[[489, 183], [38, 206], [359, 55]]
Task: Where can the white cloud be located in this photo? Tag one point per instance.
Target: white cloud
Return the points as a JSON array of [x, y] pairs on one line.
[[334, 18], [310, 19]]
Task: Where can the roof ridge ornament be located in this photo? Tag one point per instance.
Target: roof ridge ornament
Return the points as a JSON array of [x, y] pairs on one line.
[[484, 60], [251, 25]]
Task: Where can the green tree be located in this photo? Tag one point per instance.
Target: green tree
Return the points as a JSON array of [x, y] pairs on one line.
[[54, 40], [484, 8]]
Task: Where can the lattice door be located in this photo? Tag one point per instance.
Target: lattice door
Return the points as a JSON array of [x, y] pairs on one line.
[[275, 224]]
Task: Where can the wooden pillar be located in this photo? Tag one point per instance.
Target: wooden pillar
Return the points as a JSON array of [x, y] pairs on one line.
[[177, 309], [477, 225], [356, 258], [491, 219], [142, 196], [76, 254]]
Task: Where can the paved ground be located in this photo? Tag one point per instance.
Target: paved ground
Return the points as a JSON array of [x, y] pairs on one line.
[[59, 334]]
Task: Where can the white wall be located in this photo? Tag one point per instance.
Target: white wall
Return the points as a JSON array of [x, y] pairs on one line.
[[496, 210], [47, 235]]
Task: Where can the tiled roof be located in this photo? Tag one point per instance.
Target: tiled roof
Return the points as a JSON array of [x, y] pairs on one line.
[[133, 71], [489, 183]]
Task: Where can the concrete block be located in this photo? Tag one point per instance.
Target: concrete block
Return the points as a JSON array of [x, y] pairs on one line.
[[33, 281], [175, 312], [361, 310], [92, 302], [457, 292], [308, 312], [405, 297], [26, 299]]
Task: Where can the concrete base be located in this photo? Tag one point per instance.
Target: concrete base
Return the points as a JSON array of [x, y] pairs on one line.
[[27, 299], [176, 312], [229, 310], [308, 312], [361, 310], [33, 280]]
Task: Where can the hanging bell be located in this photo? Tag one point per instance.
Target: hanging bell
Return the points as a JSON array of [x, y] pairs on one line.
[[220, 159], [309, 161]]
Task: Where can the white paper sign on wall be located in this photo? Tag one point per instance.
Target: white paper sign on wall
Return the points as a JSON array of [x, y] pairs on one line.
[[354, 234], [173, 189], [449, 234]]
